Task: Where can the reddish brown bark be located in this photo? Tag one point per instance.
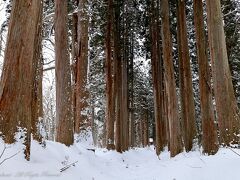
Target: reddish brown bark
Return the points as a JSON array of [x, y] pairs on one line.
[[117, 78], [157, 75], [175, 139], [37, 106], [64, 114], [109, 81], [17, 76], [209, 138], [124, 106], [118, 100], [186, 89], [226, 105], [82, 121]]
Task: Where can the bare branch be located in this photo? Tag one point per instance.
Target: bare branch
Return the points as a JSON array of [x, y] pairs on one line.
[[9, 157], [4, 149], [48, 69]]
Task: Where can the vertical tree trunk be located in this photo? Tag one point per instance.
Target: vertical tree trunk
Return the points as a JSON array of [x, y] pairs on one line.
[[145, 137], [124, 109], [175, 139], [109, 80], [17, 76], [226, 105], [209, 139], [82, 119], [64, 114], [93, 125], [37, 106], [165, 112], [186, 89], [74, 62], [157, 79], [131, 98], [119, 105], [117, 77]]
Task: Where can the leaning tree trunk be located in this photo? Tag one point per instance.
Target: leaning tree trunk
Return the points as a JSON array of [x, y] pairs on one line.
[[17, 76], [175, 139], [186, 89], [226, 104], [109, 81], [209, 138], [64, 114], [82, 121]]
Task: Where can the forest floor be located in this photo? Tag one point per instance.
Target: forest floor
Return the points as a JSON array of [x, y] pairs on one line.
[[79, 163]]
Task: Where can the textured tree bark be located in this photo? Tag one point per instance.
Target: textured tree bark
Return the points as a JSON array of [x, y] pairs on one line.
[[119, 132], [109, 81], [165, 104], [186, 89], [74, 63], [131, 98], [82, 120], [37, 104], [117, 77], [64, 114], [17, 76], [157, 76], [209, 139], [226, 105], [145, 132], [175, 139], [124, 106]]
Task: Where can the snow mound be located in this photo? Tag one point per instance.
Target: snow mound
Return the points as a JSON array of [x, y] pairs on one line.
[[78, 162]]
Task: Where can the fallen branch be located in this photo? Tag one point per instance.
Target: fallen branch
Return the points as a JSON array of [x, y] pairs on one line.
[[233, 151], [68, 166], [93, 150], [9, 157], [4, 149]]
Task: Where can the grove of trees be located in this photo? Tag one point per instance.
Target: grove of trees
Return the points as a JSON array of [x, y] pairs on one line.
[[132, 73]]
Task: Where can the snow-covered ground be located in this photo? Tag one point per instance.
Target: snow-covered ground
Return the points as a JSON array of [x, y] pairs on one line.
[[137, 164]]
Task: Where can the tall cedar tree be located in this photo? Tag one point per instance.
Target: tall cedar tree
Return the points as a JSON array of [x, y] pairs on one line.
[[125, 58], [17, 77], [37, 101], [131, 97], [209, 139], [109, 79], [117, 76], [157, 76], [186, 88], [175, 139], [82, 121], [144, 128], [226, 105], [64, 114], [74, 64]]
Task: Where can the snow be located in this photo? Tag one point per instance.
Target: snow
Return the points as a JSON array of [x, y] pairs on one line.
[[135, 164]]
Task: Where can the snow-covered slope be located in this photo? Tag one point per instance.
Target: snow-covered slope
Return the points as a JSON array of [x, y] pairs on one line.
[[137, 164]]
